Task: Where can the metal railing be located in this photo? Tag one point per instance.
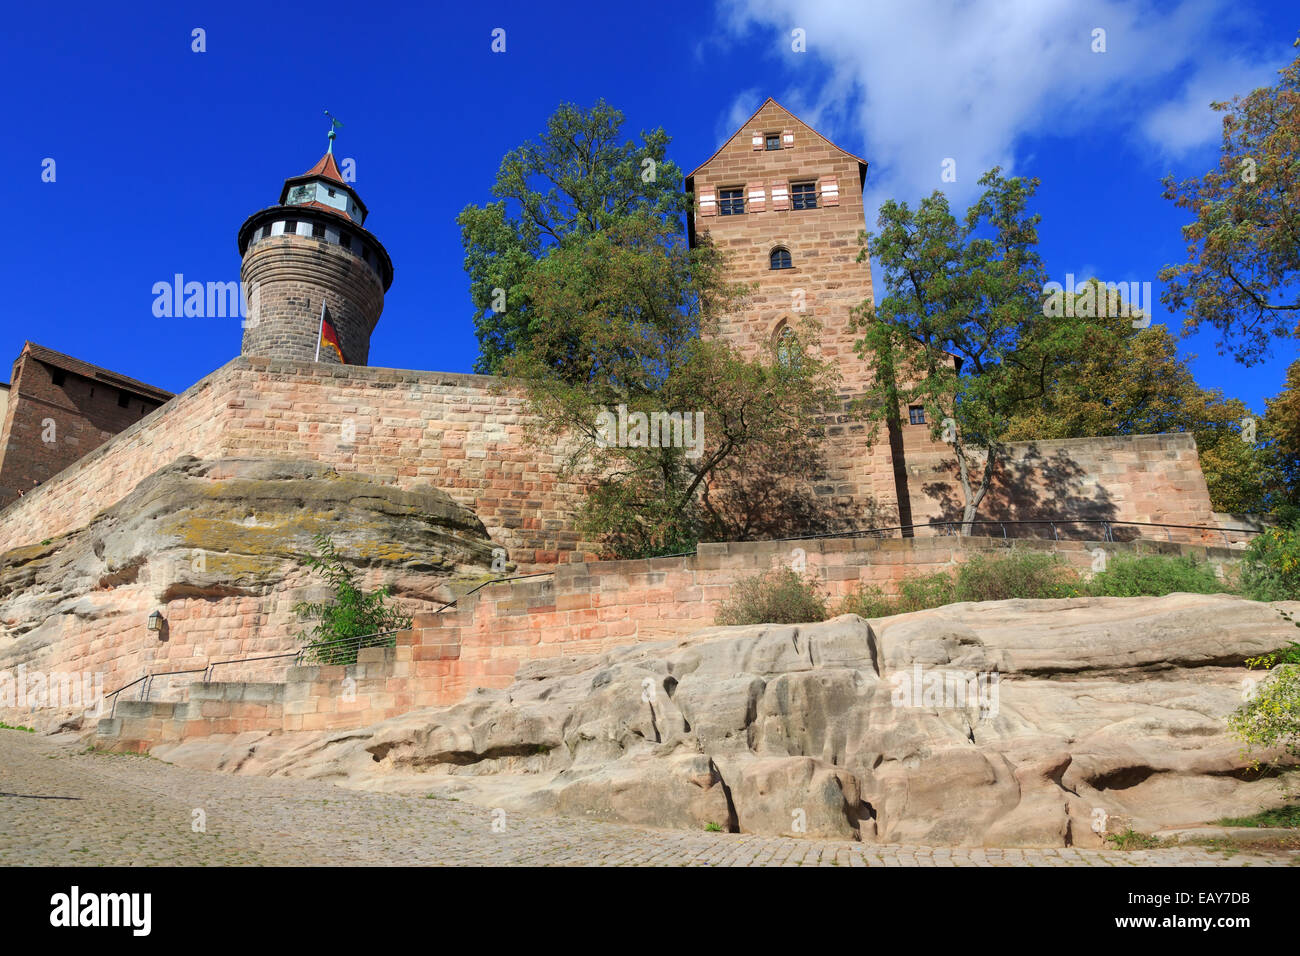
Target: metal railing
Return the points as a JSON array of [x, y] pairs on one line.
[[1106, 526], [341, 651], [345, 649]]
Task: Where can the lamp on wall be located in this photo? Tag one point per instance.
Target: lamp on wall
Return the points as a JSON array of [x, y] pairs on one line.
[[155, 622]]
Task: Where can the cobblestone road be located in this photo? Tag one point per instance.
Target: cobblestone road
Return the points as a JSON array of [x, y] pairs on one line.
[[60, 806]]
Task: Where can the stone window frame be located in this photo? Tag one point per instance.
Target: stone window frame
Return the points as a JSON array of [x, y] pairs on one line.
[[728, 198], [916, 414], [775, 259], [803, 194], [783, 336]]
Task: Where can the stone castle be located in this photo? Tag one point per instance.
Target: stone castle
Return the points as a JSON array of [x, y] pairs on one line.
[[783, 201]]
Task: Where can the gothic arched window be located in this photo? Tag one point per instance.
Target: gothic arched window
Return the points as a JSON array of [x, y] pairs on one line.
[[787, 347], [780, 258]]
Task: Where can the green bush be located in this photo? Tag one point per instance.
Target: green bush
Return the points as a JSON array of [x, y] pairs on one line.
[[350, 614], [1153, 575], [781, 596], [1270, 570], [1271, 716], [869, 601], [1020, 574]]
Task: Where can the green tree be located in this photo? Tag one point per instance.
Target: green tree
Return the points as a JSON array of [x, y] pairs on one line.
[[644, 306], [576, 179], [1271, 717], [1242, 274], [961, 327], [1281, 433], [350, 613], [1122, 380]]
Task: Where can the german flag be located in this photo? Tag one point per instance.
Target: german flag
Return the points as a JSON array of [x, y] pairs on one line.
[[329, 339]]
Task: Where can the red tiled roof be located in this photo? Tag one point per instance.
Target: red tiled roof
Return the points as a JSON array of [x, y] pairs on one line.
[[320, 205], [94, 372], [325, 168]]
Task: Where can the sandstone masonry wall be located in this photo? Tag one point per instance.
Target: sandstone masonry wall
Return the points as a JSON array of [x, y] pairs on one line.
[[578, 609]]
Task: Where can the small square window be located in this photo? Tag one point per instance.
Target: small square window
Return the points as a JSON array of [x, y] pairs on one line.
[[731, 202], [123, 399], [331, 194], [345, 240], [772, 141], [56, 375], [291, 227], [916, 415], [803, 195], [318, 230]]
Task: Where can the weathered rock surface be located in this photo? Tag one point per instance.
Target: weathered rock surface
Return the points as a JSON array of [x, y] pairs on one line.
[[221, 543], [1104, 713]]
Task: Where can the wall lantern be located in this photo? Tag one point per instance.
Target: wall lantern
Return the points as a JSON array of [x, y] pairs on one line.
[[155, 621]]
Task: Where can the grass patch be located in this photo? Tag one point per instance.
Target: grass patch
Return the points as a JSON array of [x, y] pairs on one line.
[[1130, 839], [1281, 817], [713, 827], [25, 730]]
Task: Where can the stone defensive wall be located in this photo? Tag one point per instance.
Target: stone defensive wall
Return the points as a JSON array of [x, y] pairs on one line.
[[461, 433], [1140, 478], [465, 434], [577, 609]]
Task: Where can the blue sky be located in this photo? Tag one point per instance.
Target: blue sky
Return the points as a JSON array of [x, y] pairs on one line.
[[162, 152]]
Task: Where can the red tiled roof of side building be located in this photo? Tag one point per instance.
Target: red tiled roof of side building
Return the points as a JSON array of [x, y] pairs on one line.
[[93, 372]]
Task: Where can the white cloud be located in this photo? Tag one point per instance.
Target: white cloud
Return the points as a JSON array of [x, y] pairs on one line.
[[908, 84], [742, 108], [1184, 123]]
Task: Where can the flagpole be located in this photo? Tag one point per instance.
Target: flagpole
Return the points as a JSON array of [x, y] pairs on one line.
[[320, 330]]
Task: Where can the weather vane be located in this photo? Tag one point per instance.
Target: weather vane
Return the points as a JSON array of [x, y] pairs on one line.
[[334, 124]]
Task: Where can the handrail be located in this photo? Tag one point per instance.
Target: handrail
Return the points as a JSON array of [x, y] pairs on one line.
[[206, 670]]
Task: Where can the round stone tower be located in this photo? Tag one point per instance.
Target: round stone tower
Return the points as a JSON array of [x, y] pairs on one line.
[[307, 253]]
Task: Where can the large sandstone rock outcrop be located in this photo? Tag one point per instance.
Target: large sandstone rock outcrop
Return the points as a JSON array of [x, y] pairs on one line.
[[219, 547], [1105, 713]]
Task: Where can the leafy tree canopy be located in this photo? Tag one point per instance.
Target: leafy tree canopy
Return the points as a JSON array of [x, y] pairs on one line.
[[1242, 274], [961, 327], [574, 180], [624, 318]]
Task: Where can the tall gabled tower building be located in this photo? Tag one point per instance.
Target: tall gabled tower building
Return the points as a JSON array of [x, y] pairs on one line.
[[312, 248], [786, 205]]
